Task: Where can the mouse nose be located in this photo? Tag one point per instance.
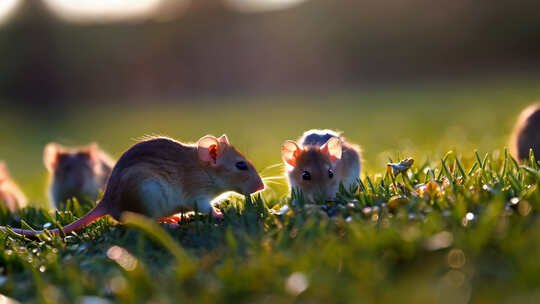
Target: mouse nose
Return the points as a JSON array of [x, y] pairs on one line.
[[259, 186]]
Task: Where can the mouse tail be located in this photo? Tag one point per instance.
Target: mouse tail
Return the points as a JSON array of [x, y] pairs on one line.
[[99, 211]]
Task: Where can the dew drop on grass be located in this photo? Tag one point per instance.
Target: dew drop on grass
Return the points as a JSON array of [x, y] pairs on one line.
[[469, 216], [524, 208], [117, 284], [456, 258], [440, 240], [296, 283], [121, 256], [454, 278], [6, 300], [93, 300], [514, 200], [366, 210], [47, 225], [42, 268], [81, 248]]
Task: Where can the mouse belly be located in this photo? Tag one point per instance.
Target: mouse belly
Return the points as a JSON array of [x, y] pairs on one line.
[[162, 199]]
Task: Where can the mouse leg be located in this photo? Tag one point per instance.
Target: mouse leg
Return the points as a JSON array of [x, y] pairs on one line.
[[217, 214], [206, 207], [173, 219]]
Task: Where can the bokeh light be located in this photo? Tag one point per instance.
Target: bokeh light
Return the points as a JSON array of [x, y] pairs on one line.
[[250, 6], [102, 10], [122, 257], [7, 8]]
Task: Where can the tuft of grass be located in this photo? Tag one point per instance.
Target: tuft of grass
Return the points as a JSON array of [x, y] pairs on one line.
[[460, 230]]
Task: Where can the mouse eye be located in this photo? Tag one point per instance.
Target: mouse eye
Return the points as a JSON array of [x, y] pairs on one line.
[[306, 175], [330, 173], [241, 165]]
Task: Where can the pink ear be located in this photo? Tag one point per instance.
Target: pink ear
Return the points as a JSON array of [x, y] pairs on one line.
[[93, 150], [332, 148], [3, 170], [224, 140], [50, 156], [208, 149], [289, 152]]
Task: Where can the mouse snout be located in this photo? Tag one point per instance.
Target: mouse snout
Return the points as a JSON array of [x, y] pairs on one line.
[[260, 185], [255, 185]]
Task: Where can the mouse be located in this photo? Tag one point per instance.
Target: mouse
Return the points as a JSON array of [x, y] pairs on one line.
[[319, 161], [526, 134], [10, 194], [80, 172], [160, 177]]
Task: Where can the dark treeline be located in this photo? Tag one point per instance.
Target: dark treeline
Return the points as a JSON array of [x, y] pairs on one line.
[[210, 50]]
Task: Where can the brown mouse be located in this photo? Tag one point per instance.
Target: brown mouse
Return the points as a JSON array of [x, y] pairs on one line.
[[80, 173], [526, 134], [10, 194], [160, 177], [319, 162]]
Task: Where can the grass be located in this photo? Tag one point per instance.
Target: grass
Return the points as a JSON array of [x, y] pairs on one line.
[[457, 227], [468, 235]]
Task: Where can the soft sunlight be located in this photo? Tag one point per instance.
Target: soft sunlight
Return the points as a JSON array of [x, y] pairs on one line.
[[102, 10], [250, 6], [7, 8]]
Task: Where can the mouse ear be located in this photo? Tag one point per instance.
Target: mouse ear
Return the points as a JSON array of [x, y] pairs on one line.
[[224, 140], [289, 152], [50, 156], [332, 148], [208, 149], [3, 170], [93, 152]]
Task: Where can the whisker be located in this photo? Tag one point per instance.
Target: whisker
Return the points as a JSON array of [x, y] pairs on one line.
[[273, 182], [271, 167], [273, 178]]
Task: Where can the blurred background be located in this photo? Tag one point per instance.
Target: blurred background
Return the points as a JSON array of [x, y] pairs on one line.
[[400, 77]]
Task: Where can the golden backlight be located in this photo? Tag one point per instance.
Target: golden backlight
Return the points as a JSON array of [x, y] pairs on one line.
[[7, 8], [102, 10], [250, 6]]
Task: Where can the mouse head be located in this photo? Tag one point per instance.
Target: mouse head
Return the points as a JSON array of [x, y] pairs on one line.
[[74, 168], [233, 171], [313, 169]]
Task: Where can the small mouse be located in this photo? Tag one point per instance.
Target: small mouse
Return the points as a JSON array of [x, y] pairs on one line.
[[80, 173], [160, 177], [526, 134], [319, 162], [10, 194]]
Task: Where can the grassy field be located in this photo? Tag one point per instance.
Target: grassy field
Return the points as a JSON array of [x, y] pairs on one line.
[[457, 227]]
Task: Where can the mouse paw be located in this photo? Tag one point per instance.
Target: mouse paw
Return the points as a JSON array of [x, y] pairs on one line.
[[217, 214]]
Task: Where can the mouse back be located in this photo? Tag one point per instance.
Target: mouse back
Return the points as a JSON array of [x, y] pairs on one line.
[[316, 137], [526, 134], [10, 193]]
